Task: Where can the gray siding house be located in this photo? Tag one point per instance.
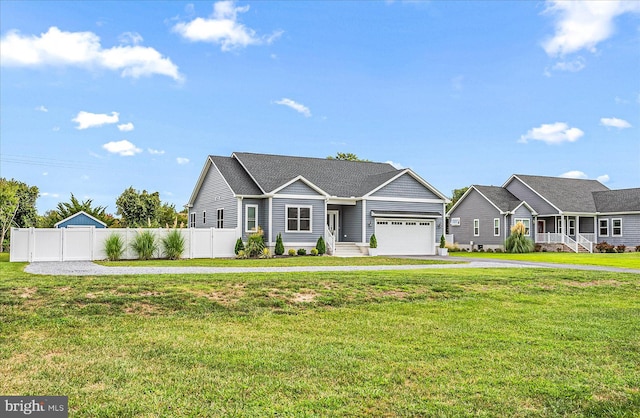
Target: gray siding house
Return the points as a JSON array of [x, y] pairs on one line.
[[306, 198], [574, 213]]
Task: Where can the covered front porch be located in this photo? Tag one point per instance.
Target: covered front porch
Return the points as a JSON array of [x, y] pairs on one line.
[[577, 232]]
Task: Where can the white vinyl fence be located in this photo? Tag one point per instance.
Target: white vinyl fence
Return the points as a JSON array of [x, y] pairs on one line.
[[87, 243]]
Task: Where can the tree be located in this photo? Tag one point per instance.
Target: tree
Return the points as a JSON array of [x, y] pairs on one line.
[[457, 194], [345, 156], [66, 209], [138, 209], [17, 206]]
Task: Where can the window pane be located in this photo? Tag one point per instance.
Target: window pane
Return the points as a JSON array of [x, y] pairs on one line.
[[292, 213], [305, 213], [292, 224], [305, 225]]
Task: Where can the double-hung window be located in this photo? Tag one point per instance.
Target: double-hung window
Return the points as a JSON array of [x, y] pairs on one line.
[[616, 227], [527, 225], [496, 227], [298, 218], [192, 220], [476, 227], [251, 218], [204, 217], [220, 219], [603, 227]]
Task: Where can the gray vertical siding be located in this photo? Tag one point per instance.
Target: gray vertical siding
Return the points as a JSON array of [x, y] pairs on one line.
[[263, 216], [522, 192], [630, 230], [298, 188], [474, 206], [318, 220], [351, 223], [405, 186], [213, 195], [388, 206]]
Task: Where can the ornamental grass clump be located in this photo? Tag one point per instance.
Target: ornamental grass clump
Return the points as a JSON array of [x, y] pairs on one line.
[[114, 247], [255, 244], [518, 242], [144, 245], [173, 245]]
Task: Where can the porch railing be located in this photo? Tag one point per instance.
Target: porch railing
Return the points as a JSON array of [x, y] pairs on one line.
[[556, 238], [330, 241], [586, 241]]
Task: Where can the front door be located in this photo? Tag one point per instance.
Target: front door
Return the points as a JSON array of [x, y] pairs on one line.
[[332, 222], [541, 227]]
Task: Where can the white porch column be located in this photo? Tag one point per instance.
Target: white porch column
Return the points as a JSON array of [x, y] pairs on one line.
[[364, 221], [271, 219]]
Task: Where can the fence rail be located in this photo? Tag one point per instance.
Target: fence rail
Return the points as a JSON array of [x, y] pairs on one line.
[[87, 243]]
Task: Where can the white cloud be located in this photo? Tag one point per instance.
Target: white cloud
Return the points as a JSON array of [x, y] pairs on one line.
[[155, 151], [582, 24], [575, 174], [300, 108], [615, 123], [572, 66], [397, 166], [553, 133], [42, 109], [47, 194], [182, 161], [603, 178], [123, 148], [89, 120], [83, 49], [132, 38], [126, 127], [223, 28], [45, 173]]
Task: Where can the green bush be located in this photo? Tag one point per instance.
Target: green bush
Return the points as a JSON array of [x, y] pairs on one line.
[[173, 245], [241, 254], [279, 250], [144, 245], [255, 244], [314, 251], [292, 252], [265, 253], [373, 242], [114, 247], [239, 246], [321, 246], [517, 243], [443, 242], [302, 251]]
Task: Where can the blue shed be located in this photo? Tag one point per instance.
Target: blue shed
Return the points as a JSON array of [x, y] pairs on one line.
[[80, 219]]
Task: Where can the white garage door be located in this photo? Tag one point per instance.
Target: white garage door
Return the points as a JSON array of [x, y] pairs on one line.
[[405, 236]]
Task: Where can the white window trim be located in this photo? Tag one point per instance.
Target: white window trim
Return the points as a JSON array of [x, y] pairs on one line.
[[454, 222], [570, 228], [613, 228], [192, 220], [286, 219], [496, 227], [204, 217], [600, 227], [524, 222], [219, 219], [246, 218], [476, 227]]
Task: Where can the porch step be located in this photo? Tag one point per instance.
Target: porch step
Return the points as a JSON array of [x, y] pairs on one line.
[[348, 249]]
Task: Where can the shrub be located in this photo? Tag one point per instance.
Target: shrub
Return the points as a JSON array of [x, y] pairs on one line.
[[443, 242], [498, 250], [489, 250], [292, 252], [173, 245], [114, 247], [241, 254], [538, 248], [314, 251], [302, 251], [255, 244], [638, 248], [621, 248], [144, 245], [265, 253], [604, 247], [279, 250], [239, 246], [373, 241], [321, 247], [517, 242]]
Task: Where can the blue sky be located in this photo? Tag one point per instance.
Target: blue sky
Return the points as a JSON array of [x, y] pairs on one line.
[[99, 96]]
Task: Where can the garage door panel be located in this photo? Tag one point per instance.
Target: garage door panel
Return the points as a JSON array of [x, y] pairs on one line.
[[405, 236]]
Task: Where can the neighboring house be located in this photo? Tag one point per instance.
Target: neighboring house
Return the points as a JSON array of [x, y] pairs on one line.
[[80, 219], [572, 212], [306, 198]]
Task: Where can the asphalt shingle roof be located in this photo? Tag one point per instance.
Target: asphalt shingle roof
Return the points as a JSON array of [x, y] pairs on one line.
[[336, 177], [624, 200], [502, 198], [568, 195], [238, 179]]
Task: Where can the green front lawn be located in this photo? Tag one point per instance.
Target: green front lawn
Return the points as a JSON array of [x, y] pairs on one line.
[[504, 342], [626, 260]]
